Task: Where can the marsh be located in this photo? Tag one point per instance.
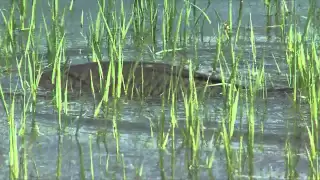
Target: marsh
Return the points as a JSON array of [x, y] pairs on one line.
[[137, 78], [141, 79], [234, 134]]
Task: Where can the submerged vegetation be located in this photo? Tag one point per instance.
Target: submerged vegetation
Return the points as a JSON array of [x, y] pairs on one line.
[[174, 33]]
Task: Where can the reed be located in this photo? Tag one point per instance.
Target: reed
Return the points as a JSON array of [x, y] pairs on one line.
[[116, 79]]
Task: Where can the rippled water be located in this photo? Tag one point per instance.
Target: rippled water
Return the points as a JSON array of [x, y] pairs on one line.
[[276, 113]]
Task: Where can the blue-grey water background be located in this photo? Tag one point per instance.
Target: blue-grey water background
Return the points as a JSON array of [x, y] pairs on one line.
[[136, 143]]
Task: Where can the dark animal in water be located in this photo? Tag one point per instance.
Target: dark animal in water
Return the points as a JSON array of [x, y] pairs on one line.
[[139, 78]]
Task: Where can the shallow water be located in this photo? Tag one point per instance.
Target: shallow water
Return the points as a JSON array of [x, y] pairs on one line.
[[138, 146]]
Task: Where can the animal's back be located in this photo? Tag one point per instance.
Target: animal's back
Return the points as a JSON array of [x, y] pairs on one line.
[[139, 78]]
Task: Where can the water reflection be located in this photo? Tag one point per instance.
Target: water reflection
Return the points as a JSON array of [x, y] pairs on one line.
[[278, 115]]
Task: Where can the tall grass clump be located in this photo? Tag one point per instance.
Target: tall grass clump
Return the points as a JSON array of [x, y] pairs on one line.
[[97, 32], [168, 15], [303, 62], [55, 39], [153, 17], [171, 31], [193, 126], [307, 80], [230, 91], [115, 43], [9, 107], [139, 9], [16, 48]]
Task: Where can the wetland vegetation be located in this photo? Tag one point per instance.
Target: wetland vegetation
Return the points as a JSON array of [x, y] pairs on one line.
[[150, 89]]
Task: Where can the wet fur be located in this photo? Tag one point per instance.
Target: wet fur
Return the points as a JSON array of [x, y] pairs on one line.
[[141, 78]]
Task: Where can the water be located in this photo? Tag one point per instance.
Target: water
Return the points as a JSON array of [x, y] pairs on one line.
[[137, 144]]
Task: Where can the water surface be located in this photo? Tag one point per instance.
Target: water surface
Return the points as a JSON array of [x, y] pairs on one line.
[[137, 143]]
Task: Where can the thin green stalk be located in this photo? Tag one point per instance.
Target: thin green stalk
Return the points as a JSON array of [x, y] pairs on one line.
[[91, 158]]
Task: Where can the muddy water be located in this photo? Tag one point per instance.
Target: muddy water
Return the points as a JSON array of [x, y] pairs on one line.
[[136, 143]]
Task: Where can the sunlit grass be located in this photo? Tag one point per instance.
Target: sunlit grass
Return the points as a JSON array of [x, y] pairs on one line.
[[180, 30]]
